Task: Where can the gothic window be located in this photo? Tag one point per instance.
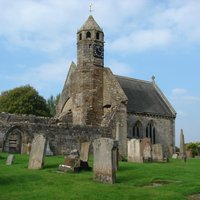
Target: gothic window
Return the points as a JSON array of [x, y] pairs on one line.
[[137, 130], [97, 35], [88, 35], [80, 36], [151, 132]]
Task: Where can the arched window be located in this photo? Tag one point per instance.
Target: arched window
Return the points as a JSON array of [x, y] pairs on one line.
[[97, 35], [137, 130], [80, 36], [88, 35], [151, 132]]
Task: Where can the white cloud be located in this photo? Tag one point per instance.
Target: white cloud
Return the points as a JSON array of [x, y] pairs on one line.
[[45, 78], [142, 40], [181, 17], [51, 25], [182, 95], [120, 68]]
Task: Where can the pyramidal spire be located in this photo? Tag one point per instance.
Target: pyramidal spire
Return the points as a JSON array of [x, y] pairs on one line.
[[90, 24]]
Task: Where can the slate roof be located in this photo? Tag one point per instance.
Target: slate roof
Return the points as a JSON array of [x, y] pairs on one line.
[[90, 24], [145, 97]]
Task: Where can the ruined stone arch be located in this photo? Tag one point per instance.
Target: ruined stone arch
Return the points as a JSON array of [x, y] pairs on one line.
[[16, 140]]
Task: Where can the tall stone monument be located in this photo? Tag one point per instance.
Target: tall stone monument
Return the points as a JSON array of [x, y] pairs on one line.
[[105, 160], [36, 159], [182, 153]]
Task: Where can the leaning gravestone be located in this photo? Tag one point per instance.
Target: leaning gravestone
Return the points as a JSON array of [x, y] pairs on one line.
[[105, 160], [10, 159], [134, 151], [36, 159], [157, 152]]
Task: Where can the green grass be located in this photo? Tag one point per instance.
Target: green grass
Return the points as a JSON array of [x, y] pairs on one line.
[[17, 182]]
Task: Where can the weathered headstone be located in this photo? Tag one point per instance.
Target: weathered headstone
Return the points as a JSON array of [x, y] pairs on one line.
[[105, 157], [189, 153], [72, 161], [182, 153], [48, 151], [84, 156], [175, 156], [10, 159], [36, 159], [157, 152], [28, 148], [84, 151], [146, 149], [134, 151]]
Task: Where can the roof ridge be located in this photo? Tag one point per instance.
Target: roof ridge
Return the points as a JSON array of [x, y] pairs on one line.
[[134, 79]]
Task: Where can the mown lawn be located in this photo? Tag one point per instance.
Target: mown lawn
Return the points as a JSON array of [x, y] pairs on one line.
[[174, 181]]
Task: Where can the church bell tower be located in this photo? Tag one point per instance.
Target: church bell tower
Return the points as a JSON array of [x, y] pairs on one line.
[[90, 62]]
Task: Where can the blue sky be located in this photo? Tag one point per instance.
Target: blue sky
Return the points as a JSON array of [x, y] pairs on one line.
[[142, 38]]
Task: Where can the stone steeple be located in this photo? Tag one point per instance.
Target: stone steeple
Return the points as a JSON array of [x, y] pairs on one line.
[[87, 89], [90, 24], [90, 44]]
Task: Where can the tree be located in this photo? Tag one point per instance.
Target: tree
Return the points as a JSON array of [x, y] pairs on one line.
[[23, 100], [194, 147], [52, 103]]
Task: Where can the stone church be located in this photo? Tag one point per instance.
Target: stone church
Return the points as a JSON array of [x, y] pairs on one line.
[[94, 103]]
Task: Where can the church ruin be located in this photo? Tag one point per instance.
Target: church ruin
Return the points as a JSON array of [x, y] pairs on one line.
[[95, 103]]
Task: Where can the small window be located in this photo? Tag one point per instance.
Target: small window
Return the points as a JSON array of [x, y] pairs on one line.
[[88, 35], [97, 35], [80, 36]]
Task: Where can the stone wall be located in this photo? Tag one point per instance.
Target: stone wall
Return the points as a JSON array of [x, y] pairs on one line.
[[62, 137], [164, 130]]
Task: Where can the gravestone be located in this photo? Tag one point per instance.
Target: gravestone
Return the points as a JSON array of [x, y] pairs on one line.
[[84, 156], [84, 151], [157, 152], [28, 148], [71, 162], [10, 159], [105, 160], [175, 156], [146, 149], [36, 159], [134, 151], [48, 151], [182, 153]]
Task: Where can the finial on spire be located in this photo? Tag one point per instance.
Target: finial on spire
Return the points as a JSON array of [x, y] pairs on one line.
[[91, 8], [153, 78]]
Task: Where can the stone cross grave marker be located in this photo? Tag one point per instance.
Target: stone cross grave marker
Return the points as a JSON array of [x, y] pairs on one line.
[[105, 160], [36, 159], [10, 159]]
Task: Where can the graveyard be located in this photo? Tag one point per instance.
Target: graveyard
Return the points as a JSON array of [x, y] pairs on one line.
[[175, 180]]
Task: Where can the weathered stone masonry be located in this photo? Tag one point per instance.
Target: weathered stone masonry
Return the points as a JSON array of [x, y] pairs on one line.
[[62, 137]]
